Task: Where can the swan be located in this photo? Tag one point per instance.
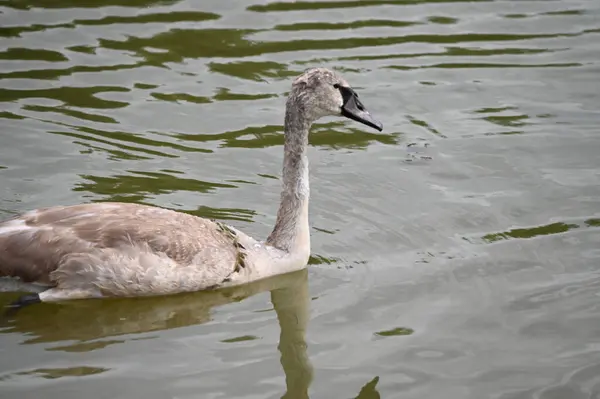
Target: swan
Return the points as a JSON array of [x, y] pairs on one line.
[[115, 249]]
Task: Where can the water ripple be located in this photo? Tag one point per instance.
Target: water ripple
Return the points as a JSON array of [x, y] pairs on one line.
[[485, 249]]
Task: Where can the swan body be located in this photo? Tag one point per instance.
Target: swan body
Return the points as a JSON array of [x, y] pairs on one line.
[[120, 249], [125, 250]]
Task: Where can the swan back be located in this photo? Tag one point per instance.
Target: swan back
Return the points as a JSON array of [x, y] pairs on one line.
[[117, 247]]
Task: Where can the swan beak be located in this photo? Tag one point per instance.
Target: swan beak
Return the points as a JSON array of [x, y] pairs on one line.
[[354, 109]]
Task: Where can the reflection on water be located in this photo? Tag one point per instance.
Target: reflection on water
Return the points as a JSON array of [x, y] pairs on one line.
[[291, 306], [369, 390], [94, 324], [65, 372], [92, 320], [395, 331], [467, 232]]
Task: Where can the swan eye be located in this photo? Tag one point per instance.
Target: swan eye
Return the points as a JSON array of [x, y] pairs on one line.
[[336, 86]]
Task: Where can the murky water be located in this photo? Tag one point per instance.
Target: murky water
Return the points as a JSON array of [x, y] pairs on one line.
[[455, 255]]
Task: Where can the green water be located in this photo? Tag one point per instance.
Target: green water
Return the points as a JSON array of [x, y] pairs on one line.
[[455, 254]]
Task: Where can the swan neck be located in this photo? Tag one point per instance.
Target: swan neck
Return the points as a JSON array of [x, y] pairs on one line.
[[291, 231]]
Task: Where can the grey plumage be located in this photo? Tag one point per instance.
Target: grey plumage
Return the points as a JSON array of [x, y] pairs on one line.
[[118, 249]]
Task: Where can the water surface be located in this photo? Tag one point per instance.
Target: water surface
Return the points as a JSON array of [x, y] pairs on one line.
[[455, 254]]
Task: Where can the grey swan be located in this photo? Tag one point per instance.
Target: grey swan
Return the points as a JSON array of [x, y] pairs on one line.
[[126, 250]]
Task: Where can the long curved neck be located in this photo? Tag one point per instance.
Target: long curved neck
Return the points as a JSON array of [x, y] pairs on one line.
[[291, 232]]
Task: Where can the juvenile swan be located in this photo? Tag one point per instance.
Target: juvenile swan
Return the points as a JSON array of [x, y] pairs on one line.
[[118, 249]]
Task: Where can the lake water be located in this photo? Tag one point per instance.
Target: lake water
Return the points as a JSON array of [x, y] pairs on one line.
[[455, 255]]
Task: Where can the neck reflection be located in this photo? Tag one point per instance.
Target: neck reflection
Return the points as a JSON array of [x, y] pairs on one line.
[[291, 304]]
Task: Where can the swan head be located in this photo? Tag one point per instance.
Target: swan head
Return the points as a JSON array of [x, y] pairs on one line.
[[321, 92]]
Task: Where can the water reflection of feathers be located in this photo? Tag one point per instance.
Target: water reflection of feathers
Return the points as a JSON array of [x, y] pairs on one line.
[[95, 319]]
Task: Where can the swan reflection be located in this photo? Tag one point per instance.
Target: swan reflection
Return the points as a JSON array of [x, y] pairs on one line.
[[93, 324]]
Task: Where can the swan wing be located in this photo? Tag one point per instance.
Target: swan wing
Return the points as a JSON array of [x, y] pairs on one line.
[[75, 245]]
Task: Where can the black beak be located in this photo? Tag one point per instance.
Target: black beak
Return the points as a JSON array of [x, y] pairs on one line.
[[354, 109]]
